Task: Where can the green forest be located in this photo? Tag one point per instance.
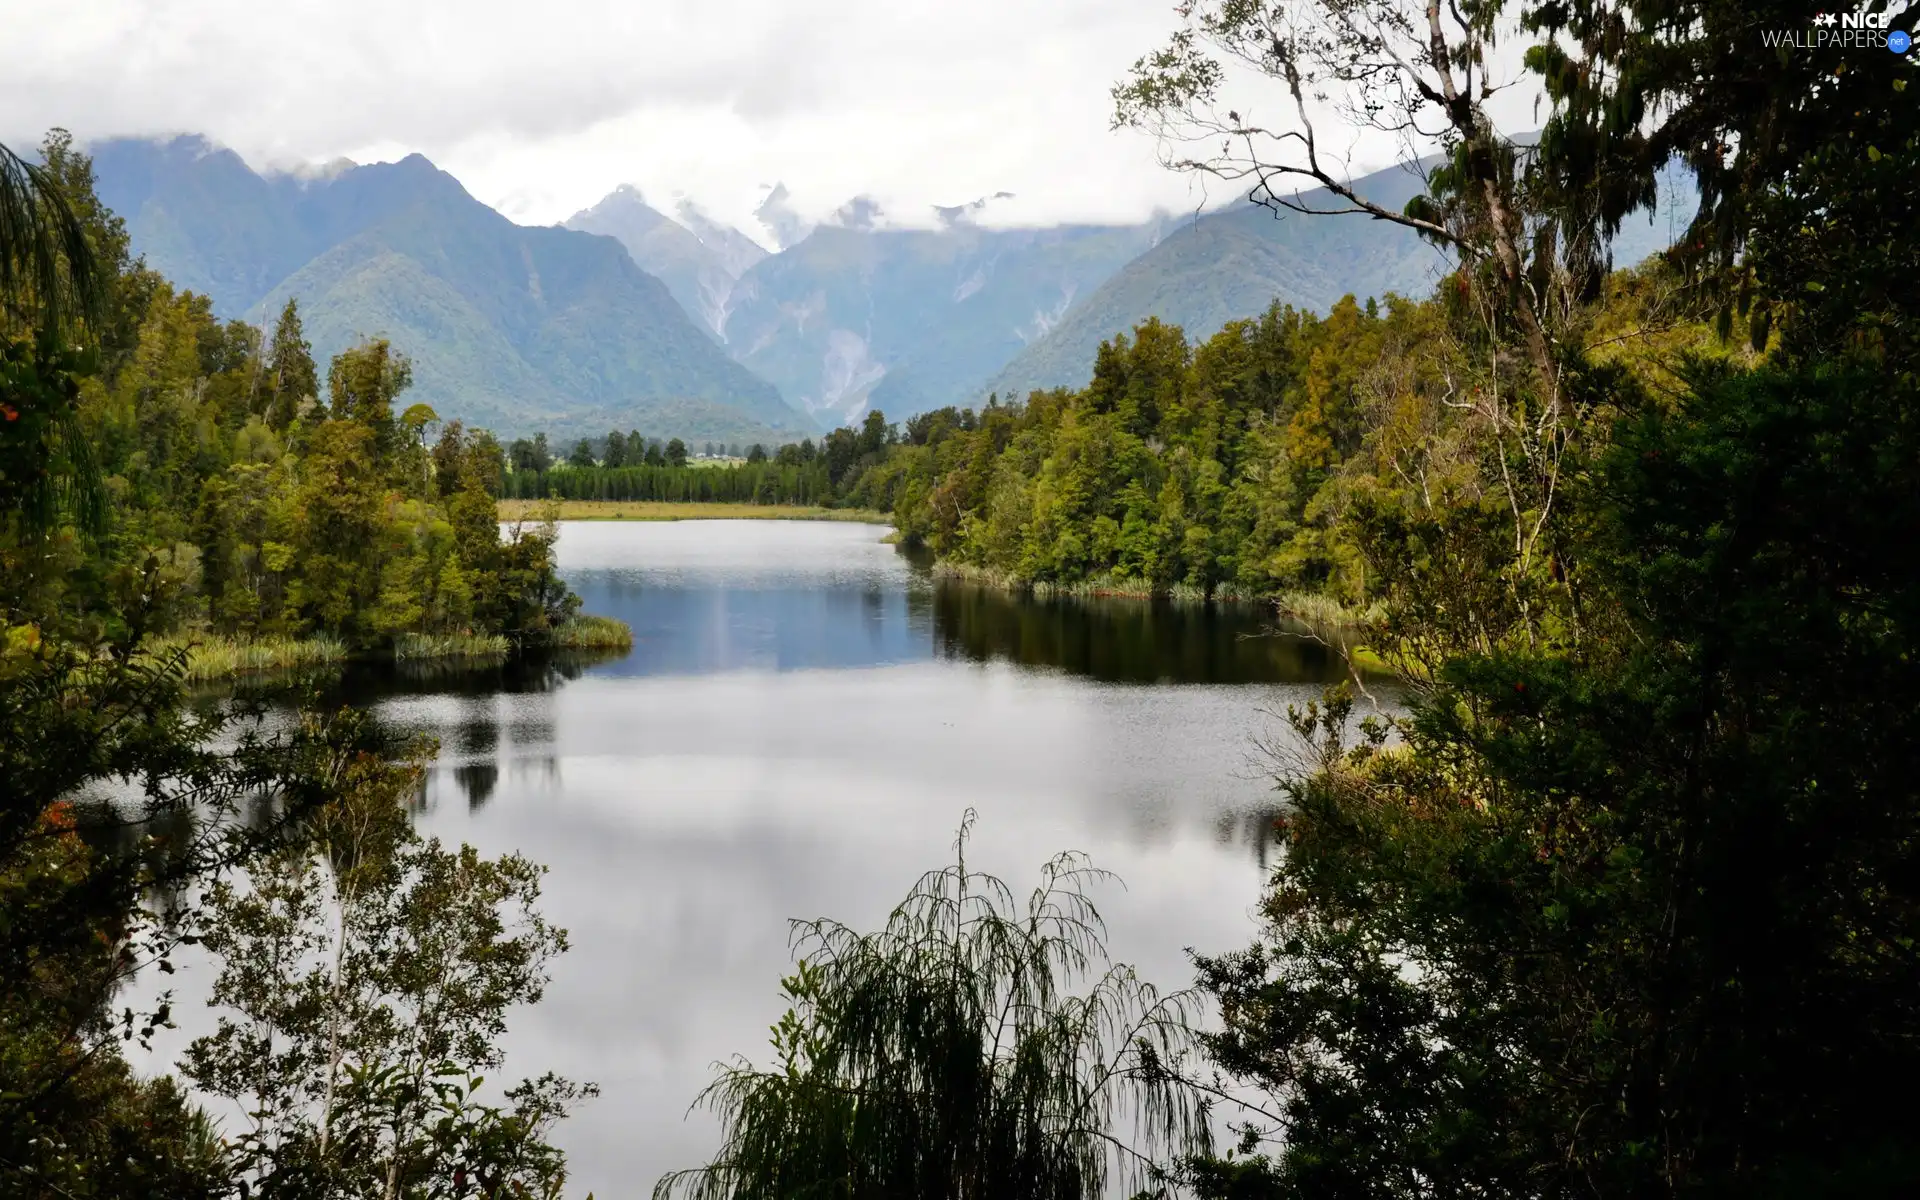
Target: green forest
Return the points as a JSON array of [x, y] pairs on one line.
[[261, 511], [1621, 898]]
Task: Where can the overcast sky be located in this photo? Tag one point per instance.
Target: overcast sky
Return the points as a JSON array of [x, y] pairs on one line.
[[542, 108]]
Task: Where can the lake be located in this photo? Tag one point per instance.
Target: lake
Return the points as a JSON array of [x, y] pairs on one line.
[[804, 718]]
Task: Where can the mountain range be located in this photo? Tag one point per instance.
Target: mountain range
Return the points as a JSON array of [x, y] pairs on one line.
[[677, 324], [509, 326]]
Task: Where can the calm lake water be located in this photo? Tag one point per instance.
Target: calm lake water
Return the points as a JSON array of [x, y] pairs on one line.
[[803, 720]]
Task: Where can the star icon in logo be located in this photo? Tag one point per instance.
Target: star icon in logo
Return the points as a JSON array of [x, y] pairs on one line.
[[1825, 18]]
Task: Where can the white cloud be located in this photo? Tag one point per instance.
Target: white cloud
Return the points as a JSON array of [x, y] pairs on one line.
[[543, 108]]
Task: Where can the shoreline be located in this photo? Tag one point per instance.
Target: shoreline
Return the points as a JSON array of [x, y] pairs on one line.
[[217, 658], [1309, 608], [1319, 616], [674, 510]]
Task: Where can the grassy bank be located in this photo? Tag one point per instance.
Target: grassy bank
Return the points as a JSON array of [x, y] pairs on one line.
[[1103, 585], [1308, 608], [211, 656], [1325, 612], [412, 647], [593, 633], [653, 510]]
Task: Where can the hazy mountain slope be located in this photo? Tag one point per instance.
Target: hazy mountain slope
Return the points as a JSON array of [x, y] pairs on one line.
[[522, 328], [1229, 264], [907, 320], [203, 218], [508, 326], [736, 251], [1234, 262], [699, 276]]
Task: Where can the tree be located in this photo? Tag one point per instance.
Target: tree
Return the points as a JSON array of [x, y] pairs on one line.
[[616, 449], [676, 453], [53, 284], [1412, 71], [874, 433], [362, 383], [1602, 923], [582, 455], [1794, 153], [50, 275], [211, 789], [758, 454], [364, 981], [949, 1054], [292, 382]]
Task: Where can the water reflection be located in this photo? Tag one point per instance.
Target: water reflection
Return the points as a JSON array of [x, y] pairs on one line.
[[477, 780], [1126, 641], [837, 597], [803, 718]]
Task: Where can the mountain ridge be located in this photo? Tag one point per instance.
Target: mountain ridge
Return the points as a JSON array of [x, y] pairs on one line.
[[516, 327]]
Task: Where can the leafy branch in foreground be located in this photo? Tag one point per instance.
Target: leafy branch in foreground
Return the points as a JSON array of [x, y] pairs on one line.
[[365, 978], [951, 1054]]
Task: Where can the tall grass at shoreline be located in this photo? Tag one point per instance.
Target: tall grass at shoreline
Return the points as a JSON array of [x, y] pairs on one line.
[[409, 647], [212, 656], [1322, 611], [593, 633]]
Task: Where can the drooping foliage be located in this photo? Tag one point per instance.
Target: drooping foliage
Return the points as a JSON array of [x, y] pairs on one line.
[[972, 1047]]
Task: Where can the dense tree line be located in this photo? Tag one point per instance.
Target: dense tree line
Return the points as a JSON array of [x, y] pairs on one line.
[[766, 482], [799, 473]]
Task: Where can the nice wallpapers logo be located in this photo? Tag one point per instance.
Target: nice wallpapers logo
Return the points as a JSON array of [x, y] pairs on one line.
[[1845, 31]]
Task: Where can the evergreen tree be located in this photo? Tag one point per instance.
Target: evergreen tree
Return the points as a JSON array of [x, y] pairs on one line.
[[292, 382]]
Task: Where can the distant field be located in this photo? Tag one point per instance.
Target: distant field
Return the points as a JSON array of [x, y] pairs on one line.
[[651, 510]]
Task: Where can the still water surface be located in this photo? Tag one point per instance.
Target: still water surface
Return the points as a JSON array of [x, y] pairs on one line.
[[802, 721]]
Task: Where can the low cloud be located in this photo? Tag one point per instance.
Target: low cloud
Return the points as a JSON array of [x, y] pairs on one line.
[[542, 109]]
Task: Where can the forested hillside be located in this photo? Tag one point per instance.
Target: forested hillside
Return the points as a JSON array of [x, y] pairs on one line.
[[1237, 260], [513, 327]]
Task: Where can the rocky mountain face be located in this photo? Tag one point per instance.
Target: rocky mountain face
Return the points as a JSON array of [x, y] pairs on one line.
[[511, 327], [697, 258], [851, 318]]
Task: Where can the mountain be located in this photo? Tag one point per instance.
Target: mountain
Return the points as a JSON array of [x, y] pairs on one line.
[[676, 251], [856, 315], [511, 327], [1234, 262], [736, 251], [1228, 264]]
